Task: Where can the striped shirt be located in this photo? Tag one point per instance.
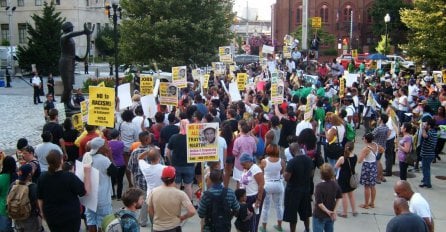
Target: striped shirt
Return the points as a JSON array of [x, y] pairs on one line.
[[380, 135], [428, 145]]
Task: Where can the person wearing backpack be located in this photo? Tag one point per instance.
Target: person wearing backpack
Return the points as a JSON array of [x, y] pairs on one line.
[[217, 205], [8, 175], [22, 202]]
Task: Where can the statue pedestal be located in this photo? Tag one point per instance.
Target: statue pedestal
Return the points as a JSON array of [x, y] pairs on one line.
[[58, 88]]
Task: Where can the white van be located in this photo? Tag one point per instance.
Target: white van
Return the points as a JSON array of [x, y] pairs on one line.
[[406, 64]]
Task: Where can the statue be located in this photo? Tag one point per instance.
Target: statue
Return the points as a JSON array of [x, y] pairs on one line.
[[68, 57]]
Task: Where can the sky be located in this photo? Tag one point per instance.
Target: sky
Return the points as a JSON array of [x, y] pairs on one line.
[[263, 8]]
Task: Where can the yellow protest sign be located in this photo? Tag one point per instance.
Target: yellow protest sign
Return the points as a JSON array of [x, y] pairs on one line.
[[168, 94], [77, 122], [179, 78], [241, 80], [206, 81], [286, 52], [102, 84], [225, 54], [84, 110], [341, 87], [316, 22], [202, 142], [355, 53], [444, 75], [101, 106], [146, 84]]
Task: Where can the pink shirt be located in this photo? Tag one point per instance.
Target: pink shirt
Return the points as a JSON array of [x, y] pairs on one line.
[[243, 144]]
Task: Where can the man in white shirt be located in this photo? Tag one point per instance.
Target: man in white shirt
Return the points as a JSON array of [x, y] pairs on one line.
[[417, 204], [350, 109], [37, 84], [390, 145]]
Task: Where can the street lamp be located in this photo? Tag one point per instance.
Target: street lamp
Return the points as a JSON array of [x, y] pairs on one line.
[[10, 11], [386, 20], [116, 13]]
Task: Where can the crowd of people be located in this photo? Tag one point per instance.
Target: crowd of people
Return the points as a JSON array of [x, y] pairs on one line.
[[270, 151]]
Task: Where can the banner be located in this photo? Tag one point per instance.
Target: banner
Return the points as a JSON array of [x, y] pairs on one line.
[[179, 78], [225, 54], [77, 122], [84, 110], [146, 84], [277, 88], [101, 107], [168, 94], [241, 80], [202, 142]]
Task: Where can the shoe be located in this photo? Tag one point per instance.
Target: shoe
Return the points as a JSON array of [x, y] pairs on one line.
[[378, 182], [355, 214], [143, 225], [384, 180], [342, 215], [425, 186], [113, 197], [276, 227], [262, 229], [364, 206], [372, 206]]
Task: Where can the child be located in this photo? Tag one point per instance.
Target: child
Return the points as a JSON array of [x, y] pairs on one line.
[[244, 214]]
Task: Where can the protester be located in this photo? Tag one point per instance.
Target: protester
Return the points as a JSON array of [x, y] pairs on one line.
[[133, 200], [8, 175], [30, 158], [44, 148], [430, 137], [346, 165], [128, 133], [405, 145], [405, 221], [117, 150], [380, 135], [69, 136]]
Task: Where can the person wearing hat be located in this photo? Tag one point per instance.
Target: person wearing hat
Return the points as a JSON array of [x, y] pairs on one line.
[[167, 211], [33, 222], [99, 157]]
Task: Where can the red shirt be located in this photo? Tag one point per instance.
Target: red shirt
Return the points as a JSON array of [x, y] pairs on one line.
[[84, 141], [263, 128]]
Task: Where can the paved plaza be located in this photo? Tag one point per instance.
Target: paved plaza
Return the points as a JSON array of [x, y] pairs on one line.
[[21, 118]]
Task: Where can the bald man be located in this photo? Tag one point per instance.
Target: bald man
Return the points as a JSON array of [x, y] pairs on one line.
[[405, 221], [417, 204]]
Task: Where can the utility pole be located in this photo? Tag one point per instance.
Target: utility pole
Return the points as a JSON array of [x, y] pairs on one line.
[[351, 33], [305, 25]]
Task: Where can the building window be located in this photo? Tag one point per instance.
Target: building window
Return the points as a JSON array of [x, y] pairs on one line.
[[20, 2], [3, 3], [347, 13], [87, 2], [22, 33], [299, 15], [5, 32], [57, 2], [38, 2], [323, 13]]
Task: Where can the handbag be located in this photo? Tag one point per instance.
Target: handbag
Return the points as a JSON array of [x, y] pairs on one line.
[[334, 150], [354, 179], [411, 157]]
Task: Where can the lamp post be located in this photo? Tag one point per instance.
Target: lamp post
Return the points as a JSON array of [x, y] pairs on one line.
[[386, 20], [10, 11], [116, 13]]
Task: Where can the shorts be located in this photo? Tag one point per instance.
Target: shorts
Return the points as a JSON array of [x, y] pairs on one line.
[[95, 218], [185, 174], [236, 174], [230, 159], [296, 201]]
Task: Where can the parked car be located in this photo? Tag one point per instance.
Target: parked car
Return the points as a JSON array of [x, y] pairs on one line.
[[345, 59], [405, 64]]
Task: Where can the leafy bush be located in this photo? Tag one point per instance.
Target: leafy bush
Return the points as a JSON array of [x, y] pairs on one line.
[[329, 52], [108, 81]]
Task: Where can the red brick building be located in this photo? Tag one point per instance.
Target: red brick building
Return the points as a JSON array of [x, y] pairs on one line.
[[335, 15]]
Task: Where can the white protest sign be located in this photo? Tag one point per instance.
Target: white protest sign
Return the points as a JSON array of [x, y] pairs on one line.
[[125, 99], [149, 106], [267, 49], [156, 88], [234, 92], [350, 79], [90, 201], [224, 86]]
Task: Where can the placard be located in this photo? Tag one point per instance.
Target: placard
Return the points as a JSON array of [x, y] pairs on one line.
[[267, 49], [225, 54], [76, 119], [90, 201], [241, 80], [341, 87], [124, 95], [206, 81], [350, 79], [202, 142], [84, 110], [234, 92], [101, 107], [219, 68], [168, 94], [146, 84], [277, 90], [149, 106], [287, 52], [179, 78]]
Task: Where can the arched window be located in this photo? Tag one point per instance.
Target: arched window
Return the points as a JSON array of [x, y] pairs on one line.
[[323, 13], [299, 15], [347, 13]]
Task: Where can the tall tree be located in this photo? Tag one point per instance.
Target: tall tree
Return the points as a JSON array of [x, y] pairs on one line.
[[43, 47], [104, 42], [427, 25], [174, 32], [396, 29]]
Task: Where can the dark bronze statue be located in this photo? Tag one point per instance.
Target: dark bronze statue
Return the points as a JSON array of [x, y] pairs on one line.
[[68, 57]]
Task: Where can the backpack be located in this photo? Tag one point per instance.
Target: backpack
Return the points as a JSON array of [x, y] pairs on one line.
[[350, 132], [218, 213], [112, 222], [18, 204]]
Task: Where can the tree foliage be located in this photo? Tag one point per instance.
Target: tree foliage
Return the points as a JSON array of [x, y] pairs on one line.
[[43, 47], [255, 42], [104, 42], [397, 30], [327, 39], [174, 32], [427, 25], [382, 47]]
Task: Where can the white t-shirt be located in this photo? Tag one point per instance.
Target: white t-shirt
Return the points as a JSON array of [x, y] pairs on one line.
[[152, 174], [138, 120], [340, 133], [419, 206], [403, 100], [303, 125], [413, 91], [222, 146], [350, 111], [389, 124], [248, 182], [101, 163]]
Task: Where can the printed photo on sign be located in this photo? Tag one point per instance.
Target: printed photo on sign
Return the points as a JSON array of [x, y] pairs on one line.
[[179, 76], [168, 94], [219, 68], [202, 142], [77, 122]]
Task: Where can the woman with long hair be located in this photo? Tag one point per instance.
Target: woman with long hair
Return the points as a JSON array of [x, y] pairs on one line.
[[272, 166], [226, 133], [369, 171], [58, 195], [346, 165], [7, 176], [404, 147], [335, 135]]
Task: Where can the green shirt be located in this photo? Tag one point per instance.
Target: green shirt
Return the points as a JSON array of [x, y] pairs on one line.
[[4, 189], [362, 67], [319, 115], [320, 92], [351, 68]]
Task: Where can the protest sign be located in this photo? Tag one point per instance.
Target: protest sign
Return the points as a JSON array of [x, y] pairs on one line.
[[341, 87], [310, 79], [232, 71], [149, 106], [90, 201], [76, 119], [288, 40], [84, 110], [234, 92], [179, 78], [286, 52], [157, 87], [241, 80], [224, 86], [219, 68], [225, 54], [350, 79], [277, 90], [267, 49], [61, 109], [260, 86], [101, 106], [146, 84], [125, 98], [444, 75], [206, 81], [168, 94], [202, 142]]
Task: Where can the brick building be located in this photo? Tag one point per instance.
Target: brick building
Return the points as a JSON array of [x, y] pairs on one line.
[[335, 15]]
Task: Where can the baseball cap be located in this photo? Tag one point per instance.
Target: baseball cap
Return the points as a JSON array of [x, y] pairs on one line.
[[24, 171], [168, 172], [96, 144]]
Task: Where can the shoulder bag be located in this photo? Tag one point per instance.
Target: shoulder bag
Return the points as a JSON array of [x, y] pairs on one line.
[[354, 179]]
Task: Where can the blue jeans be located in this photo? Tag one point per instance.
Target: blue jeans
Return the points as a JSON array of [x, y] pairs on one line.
[[322, 225], [426, 162], [5, 224], [332, 162]]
